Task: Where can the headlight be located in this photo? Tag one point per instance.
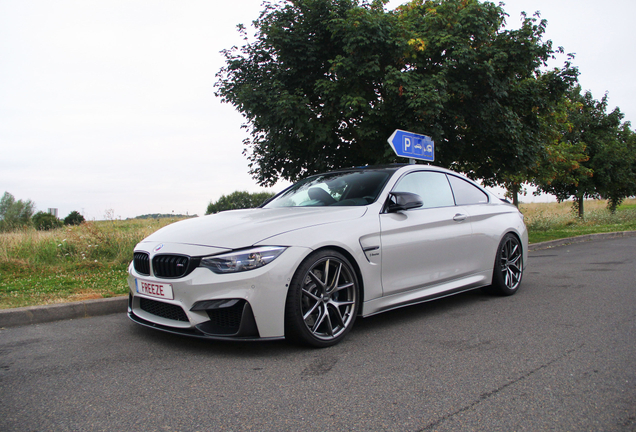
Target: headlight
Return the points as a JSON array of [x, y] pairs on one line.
[[243, 260]]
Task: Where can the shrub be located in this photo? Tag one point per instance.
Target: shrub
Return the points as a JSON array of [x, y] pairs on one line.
[[238, 200], [45, 221], [74, 218]]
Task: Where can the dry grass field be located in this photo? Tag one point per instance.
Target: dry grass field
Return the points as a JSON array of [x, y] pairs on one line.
[[531, 210], [550, 221]]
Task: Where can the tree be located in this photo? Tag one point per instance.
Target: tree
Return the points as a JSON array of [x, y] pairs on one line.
[[14, 214], [326, 82], [615, 166], [74, 218], [560, 163], [238, 200], [45, 221], [609, 168], [481, 88]]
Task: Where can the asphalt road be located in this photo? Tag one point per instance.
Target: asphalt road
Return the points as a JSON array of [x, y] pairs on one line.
[[559, 355]]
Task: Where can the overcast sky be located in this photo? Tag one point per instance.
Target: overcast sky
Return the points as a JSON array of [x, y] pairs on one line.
[[109, 105]]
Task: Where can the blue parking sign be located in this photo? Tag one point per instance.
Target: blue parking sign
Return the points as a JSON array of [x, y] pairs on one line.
[[413, 146]]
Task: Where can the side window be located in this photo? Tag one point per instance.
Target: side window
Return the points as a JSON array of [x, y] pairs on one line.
[[466, 193], [433, 187]]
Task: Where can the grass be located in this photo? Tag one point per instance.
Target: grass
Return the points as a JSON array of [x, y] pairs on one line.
[[83, 262], [90, 261], [552, 221]]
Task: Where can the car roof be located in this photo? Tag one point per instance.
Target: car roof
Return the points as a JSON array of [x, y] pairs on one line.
[[403, 167], [391, 167]]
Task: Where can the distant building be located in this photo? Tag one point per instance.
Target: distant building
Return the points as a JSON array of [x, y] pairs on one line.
[[53, 211]]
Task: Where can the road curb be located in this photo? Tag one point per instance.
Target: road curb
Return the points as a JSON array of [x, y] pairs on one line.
[[89, 308], [62, 311], [580, 239]]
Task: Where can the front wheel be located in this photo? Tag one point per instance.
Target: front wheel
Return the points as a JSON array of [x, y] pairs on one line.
[[508, 268], [322, 301]]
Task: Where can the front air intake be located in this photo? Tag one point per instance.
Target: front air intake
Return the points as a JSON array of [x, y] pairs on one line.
[[163, 310]]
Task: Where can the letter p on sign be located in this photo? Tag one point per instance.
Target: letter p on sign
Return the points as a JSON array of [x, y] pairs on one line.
[[407, 145]]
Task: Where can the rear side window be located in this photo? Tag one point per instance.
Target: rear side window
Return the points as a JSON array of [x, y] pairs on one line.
[[466, 193], [433, 187]]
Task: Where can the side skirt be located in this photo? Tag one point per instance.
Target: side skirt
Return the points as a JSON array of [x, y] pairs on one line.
[[421, 295]]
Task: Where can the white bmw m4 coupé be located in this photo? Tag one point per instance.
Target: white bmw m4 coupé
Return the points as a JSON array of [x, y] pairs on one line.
[[324, 251]]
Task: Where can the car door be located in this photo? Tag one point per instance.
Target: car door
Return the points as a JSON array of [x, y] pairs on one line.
[[486, 220], [427, 245]]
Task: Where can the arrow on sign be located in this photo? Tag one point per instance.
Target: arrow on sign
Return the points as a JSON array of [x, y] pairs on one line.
[[413, 146]]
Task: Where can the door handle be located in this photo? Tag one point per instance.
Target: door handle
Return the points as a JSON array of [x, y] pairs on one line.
[[459, 217]]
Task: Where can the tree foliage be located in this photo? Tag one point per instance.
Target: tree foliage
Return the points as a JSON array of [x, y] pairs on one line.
[[164, 216], [238, 200], [43, 221], [14, 214], [325, 83], [74, 218], [608, 170]]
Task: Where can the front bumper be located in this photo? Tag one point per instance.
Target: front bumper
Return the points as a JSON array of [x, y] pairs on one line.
[[244, 329], [243, 306]]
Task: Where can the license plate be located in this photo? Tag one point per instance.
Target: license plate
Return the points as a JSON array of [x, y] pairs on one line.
[[154, 289]]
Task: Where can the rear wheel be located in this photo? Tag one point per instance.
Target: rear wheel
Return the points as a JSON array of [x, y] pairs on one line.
[[322, 301], [508, 268]]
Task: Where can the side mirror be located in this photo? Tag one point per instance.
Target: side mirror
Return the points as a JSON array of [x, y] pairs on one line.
[[399, 201]]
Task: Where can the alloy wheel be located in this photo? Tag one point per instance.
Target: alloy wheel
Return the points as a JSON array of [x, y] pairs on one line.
[[328, 298], [511, 262]]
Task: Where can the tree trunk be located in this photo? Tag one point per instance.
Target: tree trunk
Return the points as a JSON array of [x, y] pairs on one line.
[[514, 191], [580, 200]]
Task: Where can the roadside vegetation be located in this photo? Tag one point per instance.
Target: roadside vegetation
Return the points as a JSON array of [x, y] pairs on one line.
[[553, 221], [238, 200], [70, 263], [90, 260]]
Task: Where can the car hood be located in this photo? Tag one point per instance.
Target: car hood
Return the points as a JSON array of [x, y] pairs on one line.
[[242, 228]]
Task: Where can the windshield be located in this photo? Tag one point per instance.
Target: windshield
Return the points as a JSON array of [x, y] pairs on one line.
[[349, 188]]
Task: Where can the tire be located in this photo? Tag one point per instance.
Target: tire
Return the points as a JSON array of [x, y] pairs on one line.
[[508, 269], [322, 301]]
